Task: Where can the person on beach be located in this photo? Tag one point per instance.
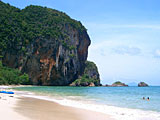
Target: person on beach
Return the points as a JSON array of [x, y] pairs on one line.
[[143, 98], [148, 99]]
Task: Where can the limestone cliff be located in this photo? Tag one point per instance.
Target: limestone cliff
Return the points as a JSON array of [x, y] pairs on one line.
[[50, 64], [46, 44]]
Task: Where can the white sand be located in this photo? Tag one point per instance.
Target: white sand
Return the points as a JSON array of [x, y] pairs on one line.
[[7, 105]]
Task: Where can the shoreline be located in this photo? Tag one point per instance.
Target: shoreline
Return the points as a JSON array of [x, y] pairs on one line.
[[114, 112], [19, 107], [111, 112]]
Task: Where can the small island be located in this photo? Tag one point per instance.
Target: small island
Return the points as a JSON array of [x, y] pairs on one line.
[[142, 84], [117, 84]]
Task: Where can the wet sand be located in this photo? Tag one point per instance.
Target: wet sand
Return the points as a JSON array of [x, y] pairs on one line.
[[36, 109]]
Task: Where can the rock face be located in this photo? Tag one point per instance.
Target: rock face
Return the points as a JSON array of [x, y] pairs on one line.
[[92, 71], [90, 76], [142, 84], [47, 64], [50, 64], [51, 60]]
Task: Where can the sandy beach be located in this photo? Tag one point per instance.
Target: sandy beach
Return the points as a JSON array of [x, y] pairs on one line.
[[37, 109], [17, 107], [7, 111]]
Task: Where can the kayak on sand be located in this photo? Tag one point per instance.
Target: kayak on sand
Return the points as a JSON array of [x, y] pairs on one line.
[[6, 92]]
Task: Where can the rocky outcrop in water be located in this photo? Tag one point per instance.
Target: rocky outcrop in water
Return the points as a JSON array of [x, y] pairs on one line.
[[90, 76], [117, 84]]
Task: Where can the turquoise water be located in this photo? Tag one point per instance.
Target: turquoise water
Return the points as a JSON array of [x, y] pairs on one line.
[[126, 97]]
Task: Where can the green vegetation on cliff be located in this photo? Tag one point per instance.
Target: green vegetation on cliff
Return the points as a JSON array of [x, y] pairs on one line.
[[18, 28], [9, 76], [90, 66]]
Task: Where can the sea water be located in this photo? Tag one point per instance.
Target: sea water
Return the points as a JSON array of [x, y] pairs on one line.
[[123, 103]]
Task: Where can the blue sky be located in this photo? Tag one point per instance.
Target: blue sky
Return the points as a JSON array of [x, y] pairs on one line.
[[125, 35]]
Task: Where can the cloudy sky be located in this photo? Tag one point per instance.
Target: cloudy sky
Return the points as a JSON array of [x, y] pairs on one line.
[[125, 35]]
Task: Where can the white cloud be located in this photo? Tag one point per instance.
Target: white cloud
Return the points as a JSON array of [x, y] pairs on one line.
[[126, 50], [112, 47]]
